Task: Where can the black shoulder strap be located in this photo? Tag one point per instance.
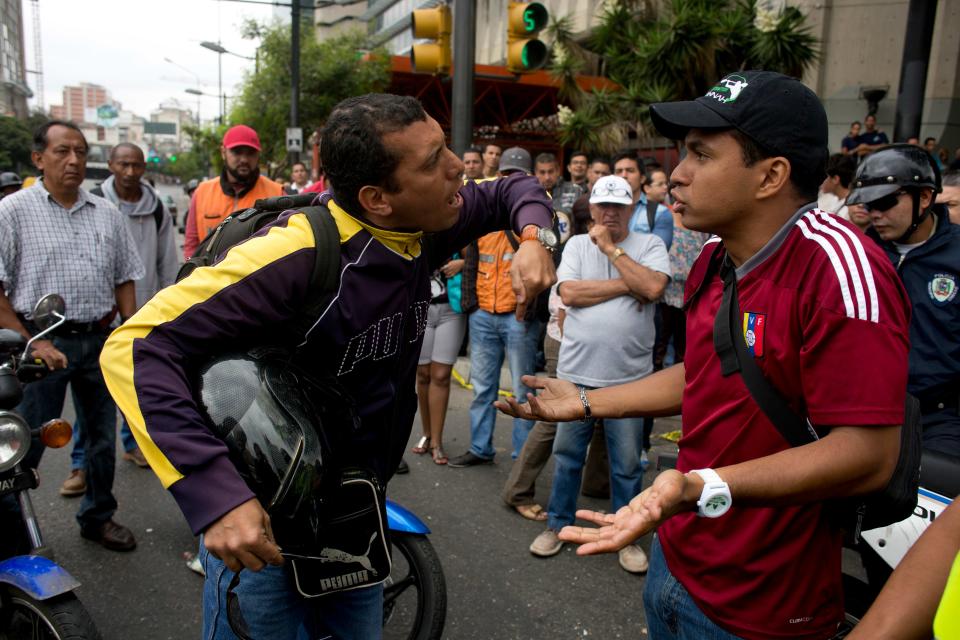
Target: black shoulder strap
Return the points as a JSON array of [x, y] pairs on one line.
[[326, 269], [731, 348], [512, 239], [651, 213], [158, 213]]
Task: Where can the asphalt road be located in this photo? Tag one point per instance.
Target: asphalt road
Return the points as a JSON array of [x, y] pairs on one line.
[[496, 588]]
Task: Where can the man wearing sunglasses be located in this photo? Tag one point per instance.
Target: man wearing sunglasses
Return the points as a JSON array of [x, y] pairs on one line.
[[898, 186]]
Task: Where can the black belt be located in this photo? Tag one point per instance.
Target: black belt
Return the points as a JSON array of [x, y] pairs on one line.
[[71, 327]]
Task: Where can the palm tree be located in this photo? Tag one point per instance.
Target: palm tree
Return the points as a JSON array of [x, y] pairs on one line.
[[678, 53]]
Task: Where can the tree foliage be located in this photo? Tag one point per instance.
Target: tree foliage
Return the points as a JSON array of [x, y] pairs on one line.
[[16, 142], [677, 53], [330, 71]]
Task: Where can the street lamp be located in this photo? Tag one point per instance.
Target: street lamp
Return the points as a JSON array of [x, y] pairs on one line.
[[218, 96], [217, 48]]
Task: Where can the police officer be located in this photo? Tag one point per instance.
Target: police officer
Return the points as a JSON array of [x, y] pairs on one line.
[[9, 183], [898, 185]]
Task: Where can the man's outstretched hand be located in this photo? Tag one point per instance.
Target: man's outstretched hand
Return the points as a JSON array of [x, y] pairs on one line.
[[559, 401], [663, 499]]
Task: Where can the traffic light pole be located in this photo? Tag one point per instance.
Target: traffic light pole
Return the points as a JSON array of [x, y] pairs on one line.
[[294, 71], [464, 48]]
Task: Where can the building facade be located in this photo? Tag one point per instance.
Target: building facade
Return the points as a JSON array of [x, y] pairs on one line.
[[13, 80], [861, 48]]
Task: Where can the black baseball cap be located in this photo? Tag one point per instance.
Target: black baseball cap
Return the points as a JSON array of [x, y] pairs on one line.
[[781, 114]]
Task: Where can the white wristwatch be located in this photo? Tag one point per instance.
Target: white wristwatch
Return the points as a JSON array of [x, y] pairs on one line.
[[715, 499]]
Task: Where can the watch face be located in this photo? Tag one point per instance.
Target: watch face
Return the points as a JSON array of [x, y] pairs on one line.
[[716, 505], [548, 237]]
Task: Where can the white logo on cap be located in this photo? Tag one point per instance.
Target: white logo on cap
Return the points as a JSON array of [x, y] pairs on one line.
[[728, 90]]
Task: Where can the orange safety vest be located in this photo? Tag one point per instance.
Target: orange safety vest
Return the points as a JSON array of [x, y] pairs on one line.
[[494, 289], [213, 205]]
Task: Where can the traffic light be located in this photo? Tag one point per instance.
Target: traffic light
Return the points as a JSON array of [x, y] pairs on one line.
[[431, 24], [524, 21], [173, 158]]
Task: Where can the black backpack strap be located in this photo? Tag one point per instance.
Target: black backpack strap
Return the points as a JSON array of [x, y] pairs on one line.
[[326, 270], [651, 213], [731, 348], [158, 213]]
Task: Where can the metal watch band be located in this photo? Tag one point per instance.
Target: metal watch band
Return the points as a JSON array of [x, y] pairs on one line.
[[586, 404]]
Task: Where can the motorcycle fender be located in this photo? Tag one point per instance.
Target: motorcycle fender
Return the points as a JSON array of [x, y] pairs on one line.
[[402, 520], [892, 542], [37, 576]]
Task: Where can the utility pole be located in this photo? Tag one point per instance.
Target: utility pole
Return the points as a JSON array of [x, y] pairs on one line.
[[294, 71], [464, 53]]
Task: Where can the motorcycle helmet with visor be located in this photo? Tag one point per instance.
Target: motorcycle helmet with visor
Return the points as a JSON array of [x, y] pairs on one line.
[[896, 169], [277, 423]]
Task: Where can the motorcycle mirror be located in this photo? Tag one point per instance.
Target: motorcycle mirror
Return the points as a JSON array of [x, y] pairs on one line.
[[56, 433], [48, 311]]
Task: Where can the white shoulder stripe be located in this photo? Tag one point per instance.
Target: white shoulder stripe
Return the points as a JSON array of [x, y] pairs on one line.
[[834, 260], [851, 266], [865, 268], [819, 226]]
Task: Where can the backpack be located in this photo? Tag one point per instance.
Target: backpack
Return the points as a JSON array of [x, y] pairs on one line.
[[241, 225], [157, 211]]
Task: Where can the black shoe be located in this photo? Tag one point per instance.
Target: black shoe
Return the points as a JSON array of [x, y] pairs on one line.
[[403, 468], [467, 460]]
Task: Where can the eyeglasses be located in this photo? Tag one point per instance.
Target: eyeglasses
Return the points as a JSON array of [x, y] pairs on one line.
[[885, 203], [619, 192]]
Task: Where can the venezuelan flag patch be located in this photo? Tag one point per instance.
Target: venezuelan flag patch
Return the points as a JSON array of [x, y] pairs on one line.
[[754, 325]]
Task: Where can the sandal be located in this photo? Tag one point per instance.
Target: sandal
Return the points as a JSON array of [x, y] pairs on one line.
[[439, 457], [423, 445], [531, 512]]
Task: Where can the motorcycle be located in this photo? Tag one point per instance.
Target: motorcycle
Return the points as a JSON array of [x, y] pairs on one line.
[[881, 550], [415, 594], [37, 598]]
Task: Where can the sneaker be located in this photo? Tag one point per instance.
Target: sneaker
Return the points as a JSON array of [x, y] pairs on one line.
[[136, 457], [546, 544], [469, 459], [75, 484], [644, 460], [403, 467], [633, 559]]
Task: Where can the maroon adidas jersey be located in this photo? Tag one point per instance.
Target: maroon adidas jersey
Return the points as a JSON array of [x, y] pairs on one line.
[[826, 318]]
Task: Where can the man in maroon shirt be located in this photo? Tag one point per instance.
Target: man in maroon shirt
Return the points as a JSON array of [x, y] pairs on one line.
[[744, 545]]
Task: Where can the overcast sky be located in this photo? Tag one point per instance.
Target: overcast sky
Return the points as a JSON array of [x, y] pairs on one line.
[[121, 44]]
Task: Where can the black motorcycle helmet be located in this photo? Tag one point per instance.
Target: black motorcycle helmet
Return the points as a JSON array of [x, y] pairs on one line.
[[9, 179], [896, 167], [277, 424]]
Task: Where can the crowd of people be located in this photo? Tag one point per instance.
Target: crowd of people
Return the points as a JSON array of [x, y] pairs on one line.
[[607, 273]]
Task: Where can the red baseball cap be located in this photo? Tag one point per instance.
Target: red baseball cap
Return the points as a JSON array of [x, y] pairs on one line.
[[241, 136]]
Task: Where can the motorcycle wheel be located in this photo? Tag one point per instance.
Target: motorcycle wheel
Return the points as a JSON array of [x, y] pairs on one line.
[[415, 594], [59, 618]]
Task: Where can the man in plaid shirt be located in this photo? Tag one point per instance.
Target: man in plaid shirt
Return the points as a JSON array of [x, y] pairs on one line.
[[57, 238]]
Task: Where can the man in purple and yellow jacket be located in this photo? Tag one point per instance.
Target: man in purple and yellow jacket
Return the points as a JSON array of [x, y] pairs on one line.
[[393, 179]]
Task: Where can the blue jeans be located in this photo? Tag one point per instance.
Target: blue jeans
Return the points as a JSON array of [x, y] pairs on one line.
[[43, 400], [78, 456], [274, 610], [492, 335], [624, 438], [671, 612]]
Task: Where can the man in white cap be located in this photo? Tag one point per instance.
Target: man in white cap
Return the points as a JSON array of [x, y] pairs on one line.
[[608, 280]]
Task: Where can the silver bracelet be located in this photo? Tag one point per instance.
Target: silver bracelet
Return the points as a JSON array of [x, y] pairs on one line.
[[586, 404]]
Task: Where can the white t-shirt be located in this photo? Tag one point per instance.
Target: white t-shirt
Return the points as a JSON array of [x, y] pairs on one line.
[[832, 203], [611, 342]]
